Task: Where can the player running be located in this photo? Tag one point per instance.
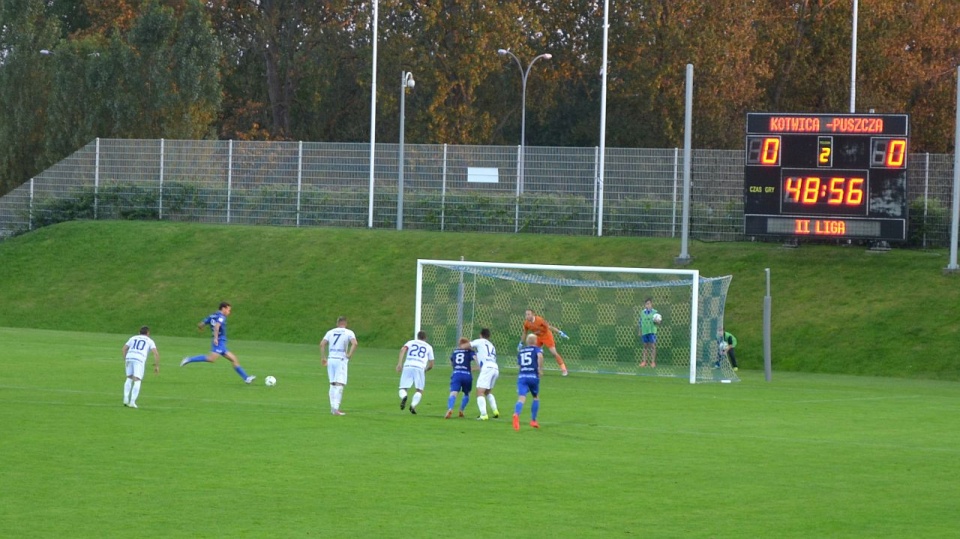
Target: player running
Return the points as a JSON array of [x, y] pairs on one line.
[[489, 372], [135, 358], [461, 379], [530, 360], [416, 358], [544, 332], [218, 347]]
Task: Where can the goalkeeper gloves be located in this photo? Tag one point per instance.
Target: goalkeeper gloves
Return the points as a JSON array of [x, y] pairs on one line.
[[562, 334]]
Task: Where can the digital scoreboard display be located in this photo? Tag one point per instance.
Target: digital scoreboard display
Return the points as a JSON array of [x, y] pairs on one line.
[[826, 176]]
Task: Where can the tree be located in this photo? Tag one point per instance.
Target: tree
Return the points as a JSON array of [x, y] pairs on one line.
[[909, 54], [24, 83], [275, 45]]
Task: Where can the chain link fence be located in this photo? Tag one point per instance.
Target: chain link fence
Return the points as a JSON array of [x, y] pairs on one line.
[[445, 188]]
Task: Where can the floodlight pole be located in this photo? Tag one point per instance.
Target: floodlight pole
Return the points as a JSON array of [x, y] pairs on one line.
[[955, 209], [523, 122], [373, 112], [603, 120], [406, 81], [685, 257], [853, 60]]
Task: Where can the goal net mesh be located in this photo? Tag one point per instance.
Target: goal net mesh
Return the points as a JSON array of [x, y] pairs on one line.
[[597, 308]]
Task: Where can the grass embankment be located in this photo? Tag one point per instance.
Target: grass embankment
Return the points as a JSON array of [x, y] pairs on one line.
[[835, 309]]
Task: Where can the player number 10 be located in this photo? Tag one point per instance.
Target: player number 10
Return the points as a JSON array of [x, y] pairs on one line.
[[837, 191]]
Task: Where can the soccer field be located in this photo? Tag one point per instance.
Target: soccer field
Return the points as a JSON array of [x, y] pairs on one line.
[[616, 456]]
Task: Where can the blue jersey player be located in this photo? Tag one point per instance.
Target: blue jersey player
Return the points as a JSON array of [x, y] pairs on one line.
[[530, 360], [218, 330], [461, 379]]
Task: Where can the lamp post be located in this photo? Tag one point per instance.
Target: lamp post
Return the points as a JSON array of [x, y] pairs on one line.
[[373, 113], [523, 109], [406, 81]]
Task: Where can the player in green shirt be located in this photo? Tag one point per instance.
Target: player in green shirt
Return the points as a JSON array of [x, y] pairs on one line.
[[731, 347], [649, 320]]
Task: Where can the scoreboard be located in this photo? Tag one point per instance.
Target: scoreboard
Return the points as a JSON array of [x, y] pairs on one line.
[[826, 176]]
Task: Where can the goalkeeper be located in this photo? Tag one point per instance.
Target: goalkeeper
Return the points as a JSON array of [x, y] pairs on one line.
[[544, 332], [731, 353]]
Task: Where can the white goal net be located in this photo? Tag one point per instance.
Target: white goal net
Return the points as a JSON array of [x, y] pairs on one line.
[[597, 307]]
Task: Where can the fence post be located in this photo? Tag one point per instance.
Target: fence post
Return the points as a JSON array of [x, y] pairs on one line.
[[673, 219], [596, 183], [229, 177], [516, 211], [926, 197], [30, 216], [96, 180], [160, 208], [443, 189], [299, 178]]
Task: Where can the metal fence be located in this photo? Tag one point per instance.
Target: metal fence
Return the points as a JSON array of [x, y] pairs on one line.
[[446, 188]]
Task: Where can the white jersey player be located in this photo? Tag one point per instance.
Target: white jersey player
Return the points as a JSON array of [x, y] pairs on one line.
[[416, 358], [341, 343], [489, 372], [135, 354]]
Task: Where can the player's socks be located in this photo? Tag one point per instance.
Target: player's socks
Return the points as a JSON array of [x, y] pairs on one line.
[[451, 400], [135, 392], [534, 408], [241, 372], [333, 397], [493, 404], [560, 363], [193, 359], [339, 396], [518, 408], [403, 399], [126, 390], [482, 404], [463, 403], [416, 399]]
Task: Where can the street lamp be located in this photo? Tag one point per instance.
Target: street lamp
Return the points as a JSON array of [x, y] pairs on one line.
[[523, 109], [406, 81]]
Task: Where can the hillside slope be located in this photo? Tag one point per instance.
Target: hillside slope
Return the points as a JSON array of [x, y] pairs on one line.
[[835, 309]]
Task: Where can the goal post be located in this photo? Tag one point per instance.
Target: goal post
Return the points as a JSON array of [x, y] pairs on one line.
[[598, 307]]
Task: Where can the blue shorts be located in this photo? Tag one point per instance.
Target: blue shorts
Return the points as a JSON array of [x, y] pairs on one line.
[[528, 385], [461, 381], [219, 349], [648, 338]]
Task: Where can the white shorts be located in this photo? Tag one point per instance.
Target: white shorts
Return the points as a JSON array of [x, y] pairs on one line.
[[412, 376], [337, 370], [135, 368], [487, 378]]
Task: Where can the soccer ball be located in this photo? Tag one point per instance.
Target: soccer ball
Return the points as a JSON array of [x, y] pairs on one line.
[[270, 381], [723, 346], [657, 318]]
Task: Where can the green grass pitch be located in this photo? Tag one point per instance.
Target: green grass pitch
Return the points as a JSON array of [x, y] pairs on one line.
[[616, 456]]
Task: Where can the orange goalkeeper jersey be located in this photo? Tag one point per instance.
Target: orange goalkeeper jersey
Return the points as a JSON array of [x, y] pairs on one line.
[[541, 329]]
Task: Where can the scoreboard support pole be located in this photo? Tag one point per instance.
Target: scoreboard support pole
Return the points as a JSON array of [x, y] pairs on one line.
[[955, 211]]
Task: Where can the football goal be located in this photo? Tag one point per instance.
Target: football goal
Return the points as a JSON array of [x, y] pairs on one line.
[[598, 308]]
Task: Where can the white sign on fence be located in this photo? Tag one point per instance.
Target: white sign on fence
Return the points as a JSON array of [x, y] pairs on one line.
[[483, 175]]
